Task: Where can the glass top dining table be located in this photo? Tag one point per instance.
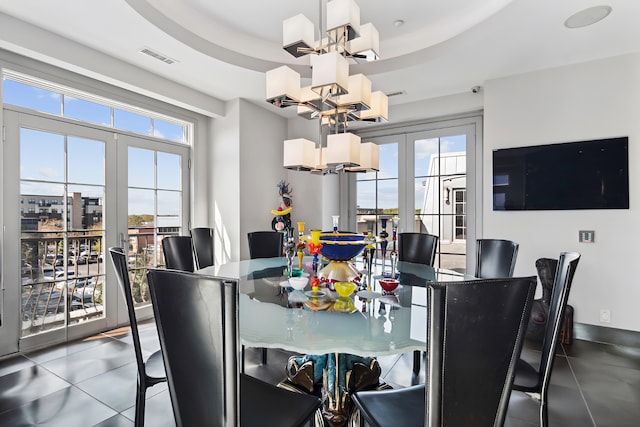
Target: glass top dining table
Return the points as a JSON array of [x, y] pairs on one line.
[[273, 316]]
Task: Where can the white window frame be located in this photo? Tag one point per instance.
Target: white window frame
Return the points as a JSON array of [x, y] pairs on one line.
[[405, 134]]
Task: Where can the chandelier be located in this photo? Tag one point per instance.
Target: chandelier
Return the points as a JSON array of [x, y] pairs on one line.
[[334, 98]]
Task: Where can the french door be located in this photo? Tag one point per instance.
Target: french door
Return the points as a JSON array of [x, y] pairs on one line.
[[429, 182], [66, 198]]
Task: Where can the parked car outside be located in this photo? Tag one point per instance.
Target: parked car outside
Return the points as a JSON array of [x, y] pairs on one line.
[[90, 257], [56, 260]]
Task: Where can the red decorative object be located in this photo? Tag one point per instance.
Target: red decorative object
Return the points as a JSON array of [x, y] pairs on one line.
[[389, 285], [314, 248]]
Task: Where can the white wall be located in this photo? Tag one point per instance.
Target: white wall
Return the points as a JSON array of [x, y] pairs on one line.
[[224, 176], [593, 100], [444, 106], [261, 153]]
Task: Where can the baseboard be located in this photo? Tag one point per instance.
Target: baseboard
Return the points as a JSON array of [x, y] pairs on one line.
[[583, 331]]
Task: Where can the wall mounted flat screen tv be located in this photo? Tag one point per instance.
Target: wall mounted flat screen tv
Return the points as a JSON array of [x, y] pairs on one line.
[[574, 175]]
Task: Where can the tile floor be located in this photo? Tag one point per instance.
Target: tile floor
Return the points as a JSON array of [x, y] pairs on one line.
[[92, 383]]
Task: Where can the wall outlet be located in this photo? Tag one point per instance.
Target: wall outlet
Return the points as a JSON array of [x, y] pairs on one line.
[[605, 315]]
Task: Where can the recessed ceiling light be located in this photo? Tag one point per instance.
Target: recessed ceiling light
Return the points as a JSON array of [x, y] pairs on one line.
[[587, 17], [398, 23]]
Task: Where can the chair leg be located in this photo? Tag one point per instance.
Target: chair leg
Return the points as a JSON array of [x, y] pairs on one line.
[[356, 419], [242, 361], [417, 355], [141, 394], [264, 356], [544, 415]]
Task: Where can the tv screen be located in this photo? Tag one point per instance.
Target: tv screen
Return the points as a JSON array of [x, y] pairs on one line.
[[575, 175]]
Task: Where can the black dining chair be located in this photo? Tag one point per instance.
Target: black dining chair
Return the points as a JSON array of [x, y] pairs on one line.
[[197, 321], [475, 334], [536, 380], [202, 239], [178, 253], [150, 370], [495, 258], [265, 244], [419, 248]]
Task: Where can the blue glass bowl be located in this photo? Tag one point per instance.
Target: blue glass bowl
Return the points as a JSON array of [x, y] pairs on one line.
[[341, 246]]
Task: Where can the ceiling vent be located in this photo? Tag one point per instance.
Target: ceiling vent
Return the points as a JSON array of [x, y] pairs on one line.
[[157, 55], [397, 93]]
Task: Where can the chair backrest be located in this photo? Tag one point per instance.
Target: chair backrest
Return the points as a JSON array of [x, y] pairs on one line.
[[197, 321], [202, 238], [419, 248], [178, 253], [265, 244], [119, 260], [495, 258], [476, 331], [567, 264]]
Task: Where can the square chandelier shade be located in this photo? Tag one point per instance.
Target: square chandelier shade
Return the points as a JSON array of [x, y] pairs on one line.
[[299, 154], [379, 109], [330, 73], [283, 86], [342, 149], [369, 158], [344, 14], [359, 93], [367, 46], [297, 35]]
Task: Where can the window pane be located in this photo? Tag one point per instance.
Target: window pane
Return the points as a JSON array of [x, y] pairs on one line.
[[388, 161], [43, 207], [169, 131], [426, 151], [31, 97], [131, 122], [366, 191], [453, 144], [428, 224], [141, 168], [168, 203], [86, 110], [85, 207], [141, 202], [168, 171], [388, 196], [366, 206], [169, 221], [420, 192], [85, 161], [34, 163]]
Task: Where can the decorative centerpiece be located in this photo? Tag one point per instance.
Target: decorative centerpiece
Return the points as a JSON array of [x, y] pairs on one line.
[[340, 249]]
